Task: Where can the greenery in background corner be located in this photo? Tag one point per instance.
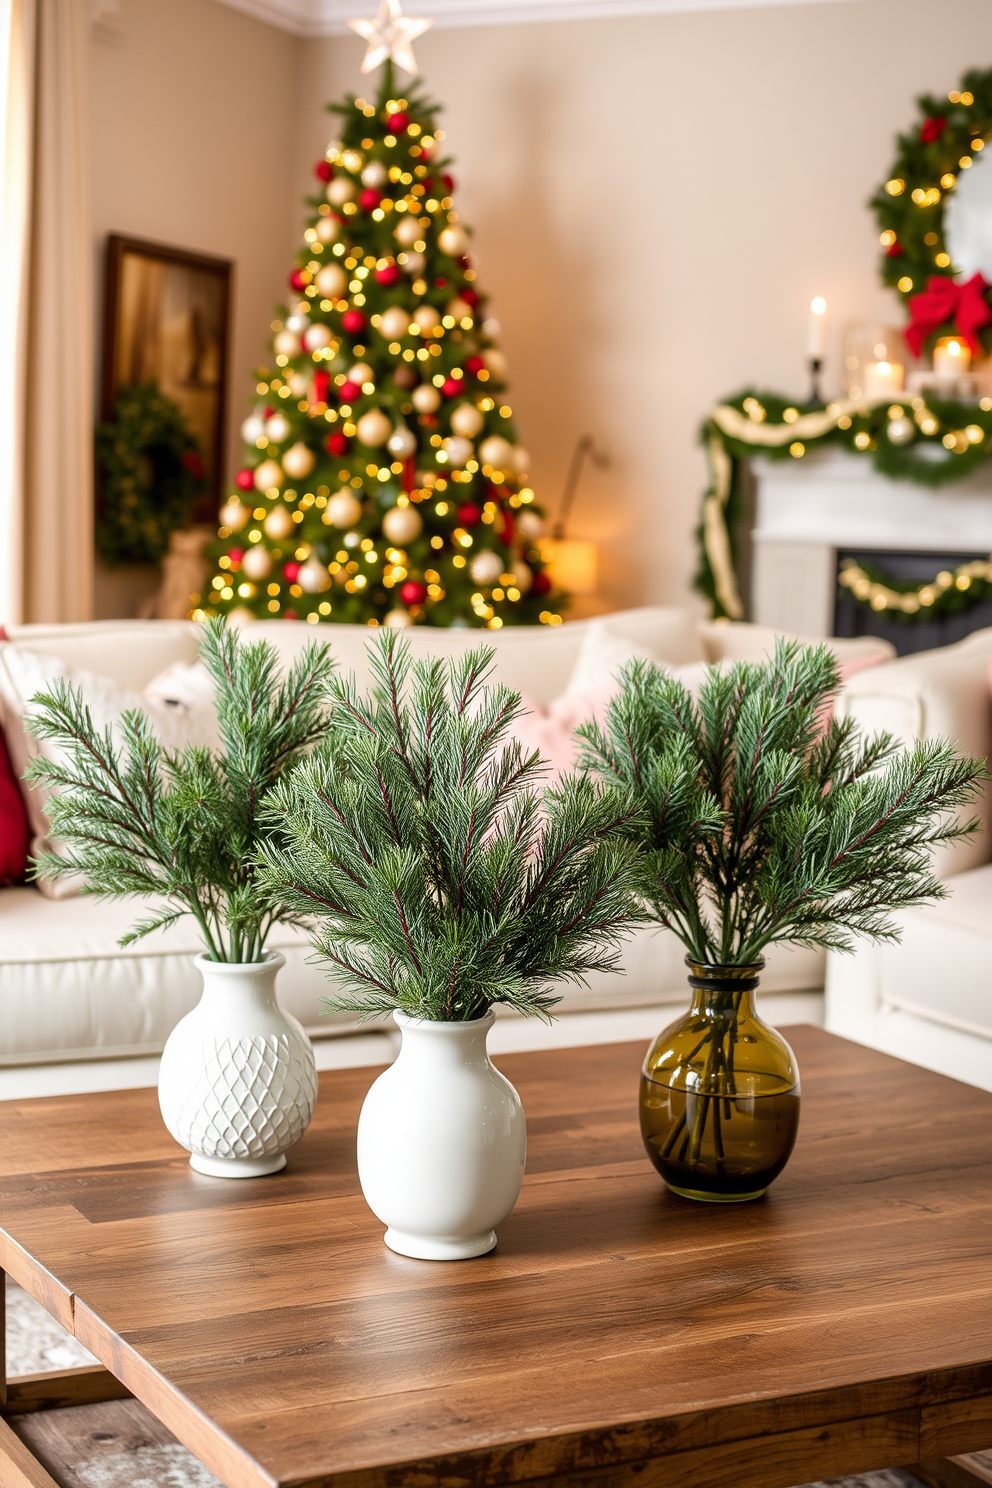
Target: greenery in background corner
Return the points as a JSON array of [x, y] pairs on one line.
[[757, 821], [151, 473], [440, 877], [183, 827]]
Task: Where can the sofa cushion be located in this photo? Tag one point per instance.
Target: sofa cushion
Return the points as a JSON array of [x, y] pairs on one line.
[[942, 969], [15, 833], [23, 674]]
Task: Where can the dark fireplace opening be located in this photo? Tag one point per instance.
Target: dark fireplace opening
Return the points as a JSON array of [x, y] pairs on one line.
[[851, 618]]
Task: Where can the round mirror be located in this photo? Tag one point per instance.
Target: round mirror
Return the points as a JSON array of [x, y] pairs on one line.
[[968, 220]]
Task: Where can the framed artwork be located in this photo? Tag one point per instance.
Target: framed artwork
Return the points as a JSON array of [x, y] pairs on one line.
[[167, 321]]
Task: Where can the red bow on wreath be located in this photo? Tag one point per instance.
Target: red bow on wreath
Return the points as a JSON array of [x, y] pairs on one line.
[[945, 300]]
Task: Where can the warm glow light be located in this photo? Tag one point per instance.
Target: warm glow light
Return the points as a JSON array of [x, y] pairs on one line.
[[571, 564], [818, 305], [951, 357]]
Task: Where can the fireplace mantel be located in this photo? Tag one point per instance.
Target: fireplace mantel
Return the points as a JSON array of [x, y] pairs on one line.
[[805, 511]]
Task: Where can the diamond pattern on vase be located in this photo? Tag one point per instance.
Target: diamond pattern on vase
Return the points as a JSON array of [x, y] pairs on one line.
[[255, 1098]]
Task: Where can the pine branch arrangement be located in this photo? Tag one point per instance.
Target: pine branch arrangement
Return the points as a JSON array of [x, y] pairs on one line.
[[758, 823], [184, 827], [440, 877]]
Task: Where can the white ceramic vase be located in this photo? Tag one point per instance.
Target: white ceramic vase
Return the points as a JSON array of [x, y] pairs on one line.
[[237, 1083], [442, 1142]]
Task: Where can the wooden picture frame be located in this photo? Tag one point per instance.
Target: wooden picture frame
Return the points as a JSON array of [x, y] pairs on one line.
[[167, 314]]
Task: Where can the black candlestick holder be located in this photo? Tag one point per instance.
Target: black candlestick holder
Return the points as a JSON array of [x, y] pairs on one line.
[[815, 368]]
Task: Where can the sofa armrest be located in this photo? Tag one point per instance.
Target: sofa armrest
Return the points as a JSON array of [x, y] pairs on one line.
[[942, 694]]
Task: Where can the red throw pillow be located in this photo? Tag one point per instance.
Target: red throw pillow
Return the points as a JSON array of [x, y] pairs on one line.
[[14, 833]]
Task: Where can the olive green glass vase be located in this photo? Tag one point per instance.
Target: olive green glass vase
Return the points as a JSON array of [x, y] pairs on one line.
[[720, 1092]]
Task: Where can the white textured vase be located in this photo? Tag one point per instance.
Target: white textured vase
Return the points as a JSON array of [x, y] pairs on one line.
[[237, 1083], [442, 1142]]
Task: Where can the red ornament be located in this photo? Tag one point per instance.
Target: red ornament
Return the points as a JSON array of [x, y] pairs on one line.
[[323, 170], [503, 526], [469, 296], [452, 387], [289, 614], [409, 476], [469, 515], [427, 183], [398, 122], [475, 365], [931, 129], [387, 275], [440, 283], [193, 462], [349, 391], [236, 555], [245, 479], [541, 584], [353, 321], [299, 279], [895, 250], [449, 181], [369, 199], [413, 592], [337, 443], [291, 570], [321, 386]]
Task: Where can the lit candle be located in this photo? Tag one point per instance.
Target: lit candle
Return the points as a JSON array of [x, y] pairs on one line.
[[815, 339], [951, 358], [882, 380]]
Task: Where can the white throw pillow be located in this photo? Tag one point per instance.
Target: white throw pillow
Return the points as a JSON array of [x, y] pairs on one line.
[[188, 692], [23, 674]]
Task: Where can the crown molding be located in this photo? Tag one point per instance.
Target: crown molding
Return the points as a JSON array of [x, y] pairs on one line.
[[330, 17]]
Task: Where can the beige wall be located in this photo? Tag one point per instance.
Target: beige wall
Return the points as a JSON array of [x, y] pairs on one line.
[[656, 200], [193, 140]]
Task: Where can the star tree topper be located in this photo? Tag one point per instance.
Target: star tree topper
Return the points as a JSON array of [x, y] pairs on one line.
[[391, 35]]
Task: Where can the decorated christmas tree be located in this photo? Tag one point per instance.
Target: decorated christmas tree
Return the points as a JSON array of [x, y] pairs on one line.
[[383, 481]]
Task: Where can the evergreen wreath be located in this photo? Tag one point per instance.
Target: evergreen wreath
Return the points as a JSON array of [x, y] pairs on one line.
[[910, 204], [151, 472]]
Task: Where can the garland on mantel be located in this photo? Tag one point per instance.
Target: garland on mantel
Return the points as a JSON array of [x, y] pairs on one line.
[[930, 441]]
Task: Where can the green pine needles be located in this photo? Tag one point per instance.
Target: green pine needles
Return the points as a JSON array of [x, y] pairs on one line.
[[440, 877], [758, 822], [184, 827]]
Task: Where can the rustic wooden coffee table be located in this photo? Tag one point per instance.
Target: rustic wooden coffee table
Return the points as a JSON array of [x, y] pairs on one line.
[[617, 1335]]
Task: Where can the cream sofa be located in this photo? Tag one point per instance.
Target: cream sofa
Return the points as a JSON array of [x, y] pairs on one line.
[[68, 992], [928, 999]]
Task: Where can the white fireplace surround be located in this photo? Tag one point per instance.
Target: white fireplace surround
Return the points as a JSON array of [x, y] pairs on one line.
[[807, 510]]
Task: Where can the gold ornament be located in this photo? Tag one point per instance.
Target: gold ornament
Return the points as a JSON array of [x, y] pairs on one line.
[[278, 524], [287, 344], [268, 476], [313, 577], [402, 524], [234, 514], [277, 427], [332, 281], [486, 567], [328, 231], [394, 323], [253, 428], [466, 420], [374, 428], [497, 451], [427, 318], [529, 526], [399, 619], [426, 399], [900, 430], [342, 189], [458, 450], [360, 374], [407, 231], [391, 35], [298, 461], [257, 563], [495, 363], [317, 337], [374, 175], [522, 575], [453, 241], [402, 442], [343, 510]]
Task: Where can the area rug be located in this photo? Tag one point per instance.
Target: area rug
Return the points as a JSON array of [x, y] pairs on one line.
[[35, 1343]]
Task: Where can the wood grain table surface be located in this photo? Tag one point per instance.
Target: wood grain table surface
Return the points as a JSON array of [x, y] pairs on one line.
[[617, 1335]]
